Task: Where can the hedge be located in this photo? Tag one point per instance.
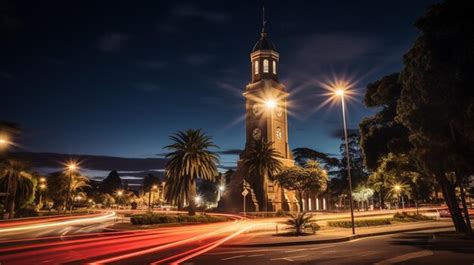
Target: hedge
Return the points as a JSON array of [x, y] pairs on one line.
[[406, 217], [360, 223], [153, 218]]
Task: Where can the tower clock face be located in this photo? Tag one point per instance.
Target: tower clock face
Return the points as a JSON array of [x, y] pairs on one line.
[[279, 134], [279, 111], [256, 109], [257, 134]]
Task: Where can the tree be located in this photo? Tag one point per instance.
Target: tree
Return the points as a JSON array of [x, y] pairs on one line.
[[311, 178], [261, 161], [303, 154], [111, 183], [362, 194], [60, 182], [436, 102], [19, 181], [382, 134], [149, 180], [339, 184], [189, 160]]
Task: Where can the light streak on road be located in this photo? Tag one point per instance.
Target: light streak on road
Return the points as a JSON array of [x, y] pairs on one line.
[[76, 221]]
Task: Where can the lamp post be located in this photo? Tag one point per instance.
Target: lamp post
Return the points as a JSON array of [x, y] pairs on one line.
[[119, 196], [162, 194], [398, 190], [42, 187], [71, 168], [154, 189], [4, 144], [340, 92]]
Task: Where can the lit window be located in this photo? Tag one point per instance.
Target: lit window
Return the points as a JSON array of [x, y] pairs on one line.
[[265, 66], [274, 67], [256, 67]]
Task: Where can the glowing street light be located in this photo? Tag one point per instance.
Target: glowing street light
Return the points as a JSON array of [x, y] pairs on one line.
[[398, 189], [120, 193], [198, 199], [340, 91], [71, 167], [221, 188]]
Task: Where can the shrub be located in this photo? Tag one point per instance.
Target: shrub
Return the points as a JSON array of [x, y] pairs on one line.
[[360, 223], [281, 213], [25, 212], [406, 217], [154, 218], [298, 222], [314, 227]]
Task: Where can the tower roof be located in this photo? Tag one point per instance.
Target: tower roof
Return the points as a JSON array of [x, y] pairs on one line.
[[264, 43]]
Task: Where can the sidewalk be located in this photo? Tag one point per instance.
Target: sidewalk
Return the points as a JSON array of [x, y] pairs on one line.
[[333, 235]]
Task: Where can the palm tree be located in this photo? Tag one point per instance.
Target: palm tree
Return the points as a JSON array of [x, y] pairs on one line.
[[78, 182], [189, 160], [261, 160], [15, 174], [299, 222]]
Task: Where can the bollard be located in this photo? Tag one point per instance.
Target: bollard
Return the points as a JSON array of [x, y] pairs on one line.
[[276, 228]]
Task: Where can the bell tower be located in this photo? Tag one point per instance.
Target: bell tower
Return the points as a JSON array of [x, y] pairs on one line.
[[266, 117]]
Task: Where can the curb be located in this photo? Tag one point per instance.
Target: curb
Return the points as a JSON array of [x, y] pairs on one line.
[[334, 240]]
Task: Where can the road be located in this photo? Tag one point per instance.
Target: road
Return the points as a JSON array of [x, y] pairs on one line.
[[56, 226], [155, 246], [406, 248], [81, 240]]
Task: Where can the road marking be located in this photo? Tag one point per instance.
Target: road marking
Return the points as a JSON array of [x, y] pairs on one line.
[[405, 257], [234, 257], [290, 259], [255, 255]]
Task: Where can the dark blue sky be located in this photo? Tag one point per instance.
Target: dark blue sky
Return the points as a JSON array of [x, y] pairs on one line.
[[117, 77]]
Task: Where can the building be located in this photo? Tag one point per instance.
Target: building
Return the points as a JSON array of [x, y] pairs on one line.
[[266, 119]]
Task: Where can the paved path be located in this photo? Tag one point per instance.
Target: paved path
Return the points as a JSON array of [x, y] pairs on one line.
[[425, 247]]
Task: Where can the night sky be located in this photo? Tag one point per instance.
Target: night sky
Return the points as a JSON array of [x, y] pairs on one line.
[[117, 78]]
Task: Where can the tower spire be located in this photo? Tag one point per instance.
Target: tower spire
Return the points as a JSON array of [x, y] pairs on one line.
[[264, 19]]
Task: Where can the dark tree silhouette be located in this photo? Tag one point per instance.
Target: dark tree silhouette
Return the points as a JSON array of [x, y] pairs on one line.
[[111, 183], [437, 104]]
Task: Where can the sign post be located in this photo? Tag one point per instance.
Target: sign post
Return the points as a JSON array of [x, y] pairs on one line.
[[244, 194]]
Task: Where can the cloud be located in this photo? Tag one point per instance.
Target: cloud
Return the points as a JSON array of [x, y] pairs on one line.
[[192, 11], [53, 160], [339, 133], [230, 152], [112, 42]]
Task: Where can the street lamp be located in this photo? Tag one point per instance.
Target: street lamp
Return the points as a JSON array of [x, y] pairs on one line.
[[197, 199], [42, 187], [398, 190], [71, 168], [340, 92], [162, 193]]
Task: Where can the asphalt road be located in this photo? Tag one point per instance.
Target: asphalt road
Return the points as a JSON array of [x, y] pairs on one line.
[[56, 226], [427, 247]]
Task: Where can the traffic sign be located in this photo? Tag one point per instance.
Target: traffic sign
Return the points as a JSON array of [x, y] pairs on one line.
[[245, 192]]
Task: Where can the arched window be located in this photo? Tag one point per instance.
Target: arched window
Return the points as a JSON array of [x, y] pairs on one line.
[[265, 66], [274, 67], [256, 67]]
